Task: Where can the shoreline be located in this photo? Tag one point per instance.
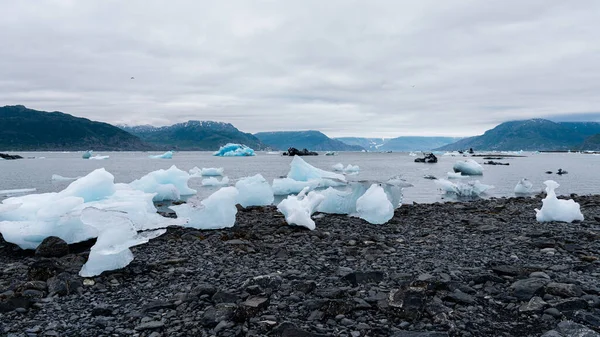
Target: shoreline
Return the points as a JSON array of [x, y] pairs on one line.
[[477, 268]]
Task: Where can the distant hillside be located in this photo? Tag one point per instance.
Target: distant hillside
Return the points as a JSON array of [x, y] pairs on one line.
[[400, 143], [312, 140], [193, 135], [23, 129], [592, 143], [530, 135]]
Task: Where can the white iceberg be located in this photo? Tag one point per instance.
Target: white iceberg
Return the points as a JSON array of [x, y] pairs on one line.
[[554, 209], [470, 189], [215, 212], [468, 167], [456, 175], [285, 186], [254, 191], [56, 177], [166, 155], [168, 184], [99, 157], [302, 171], [212, 171], [298, 209], [212, 181], [524, 187], [16, 191], [234, 150], [338, 167], [116, 233], [351, 169], [374, 206]]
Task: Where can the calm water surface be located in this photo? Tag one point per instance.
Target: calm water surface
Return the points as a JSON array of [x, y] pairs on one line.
[[128, 166]]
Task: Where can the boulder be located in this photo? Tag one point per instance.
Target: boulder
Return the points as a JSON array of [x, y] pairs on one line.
[[429, 158], [52, 246]]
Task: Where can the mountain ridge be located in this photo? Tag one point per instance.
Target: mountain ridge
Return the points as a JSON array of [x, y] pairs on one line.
[[310, 139]]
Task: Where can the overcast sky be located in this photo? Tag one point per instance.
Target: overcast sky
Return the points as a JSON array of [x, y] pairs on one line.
[[348, 68]]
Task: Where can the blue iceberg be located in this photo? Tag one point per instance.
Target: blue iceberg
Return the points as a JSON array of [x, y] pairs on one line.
[[166, 155], [234, 150]]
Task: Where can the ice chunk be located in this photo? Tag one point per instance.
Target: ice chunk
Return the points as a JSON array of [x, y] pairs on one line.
[[56, 177], [285, 186], [215, 212], [212, 181], [97, 185], [234, 150], [524, 187], [470, 189], [298, 209], [99, 157], [116, 233], [456, 175], [343, 201], [16, 191], [166, 155], [168, 184], [254, 191], [302, 171], [554, 209], [87, 154], [351, 169], [374, 206], [210, 171], [338, 167], [468, 167]]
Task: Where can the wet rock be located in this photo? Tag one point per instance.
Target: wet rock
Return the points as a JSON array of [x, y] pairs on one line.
[[563, 289], [527, 288], [52, 246]]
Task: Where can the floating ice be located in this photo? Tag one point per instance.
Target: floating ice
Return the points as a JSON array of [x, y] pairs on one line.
[[338, 167], [468, 190], [210, 171], [254, 191], [57, 177], [298, 209], [116, 233], [468, 167], [374, 206], [99, 157], [524, 187], [456, 175], [87, 154], [215, 212], [274, 152], [166, 155], [16, 191], [412, 154], [234, 150], [554, 209], [302, 171], [351, 169], [168, 184], [285, 186], [212, 181]]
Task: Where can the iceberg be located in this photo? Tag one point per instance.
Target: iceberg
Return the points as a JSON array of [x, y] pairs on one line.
[[302, 171], [470, 189], [116, 234], [351, 169], [303, 175], [468, 167], [166, 155], [168, 184], [554, 209], [254, 191], [16, 191], [215, 212], [212, 181], [338, 167], [285, 186], [212, 171], [524, 187], [87, 154], [374, 206], [234, 150], [456, 175], [298, 209], [99, 157], [56, 177]]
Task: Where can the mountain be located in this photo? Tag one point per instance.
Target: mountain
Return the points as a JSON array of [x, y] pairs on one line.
[[530, 135], [23, 129], [591, 143], [193, 135], [312, 140], [399, 143]]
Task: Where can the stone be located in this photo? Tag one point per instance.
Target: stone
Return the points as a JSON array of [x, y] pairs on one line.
[[525, 289], [270, 281], [506, 270], [250, 308], [289, 329], [220, 312], [157, 305], [539, 274], [102, 310], [409, 300], [588, 319], [52, 246], [572, 329], [332, 308], [357, 277], [553, 312], [535, 304], [420, 334], [563, 289], [63, 284], [150, 325], [570, 305], [225, 297], [460, 297], [42, 270]]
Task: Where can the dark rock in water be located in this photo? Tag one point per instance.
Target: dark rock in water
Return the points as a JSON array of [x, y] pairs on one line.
[[63, 284], [429, 158], [491, 162], [549, 172], [52, 246], [430, 177], [9, 157], [43, 270], [292, 151], [561, 172], [358, 277]]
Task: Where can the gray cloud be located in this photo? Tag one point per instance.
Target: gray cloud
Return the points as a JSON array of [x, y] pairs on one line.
[[339, 66]]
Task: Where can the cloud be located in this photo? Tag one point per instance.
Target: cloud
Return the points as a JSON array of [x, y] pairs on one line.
[[348, 68]]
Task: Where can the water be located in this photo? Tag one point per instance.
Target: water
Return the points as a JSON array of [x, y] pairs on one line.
[[128, 166]]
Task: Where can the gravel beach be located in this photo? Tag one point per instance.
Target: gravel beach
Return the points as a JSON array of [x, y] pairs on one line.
[[480, 268]]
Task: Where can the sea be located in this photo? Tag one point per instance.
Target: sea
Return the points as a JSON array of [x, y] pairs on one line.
[[35, 172]]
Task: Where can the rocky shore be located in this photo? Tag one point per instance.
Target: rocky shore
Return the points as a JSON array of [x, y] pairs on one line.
[[483, 268]]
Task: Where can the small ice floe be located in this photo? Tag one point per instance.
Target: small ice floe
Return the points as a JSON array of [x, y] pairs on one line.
[[212, 181], [215, 212], [168, 184], [56, 177], [254, 191], [412, 154], [166, 155], [524, 187], [338, 167], [98, 157], [470, 189], [468, 167], [374, 206], [456, 175], [554, 209], [298, 209], [302, 175], [350, 169], [87, 154], [303, 171], [234, 150], [274, 152], [7, 193], [206, 172]]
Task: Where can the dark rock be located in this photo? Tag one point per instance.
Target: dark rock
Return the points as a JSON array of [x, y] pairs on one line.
[[250, 308], [292, 151], [270, 281], [150, 325], [460, 297], [420, 334], [563, 289], [42, 270], [356, 278], [306, 287], [289, 329], [333, 308], [429, 158], [10, 157], [102, 310], [588, 319], [535, 305], [157, 305], [220, 312], [52, 246], [409, 301], [572, 329], [525, 289], [63, 284], [507, 270], [15, 303], [570, 305]]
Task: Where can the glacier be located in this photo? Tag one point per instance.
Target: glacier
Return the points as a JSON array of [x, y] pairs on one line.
[[166, 155], [168, 184], [468, 167], [212, 181], [554, 209], [524, 186], [298, 209], [215, 212], [234, 150], [254, 191]]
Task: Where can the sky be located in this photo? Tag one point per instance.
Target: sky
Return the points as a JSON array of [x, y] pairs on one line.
[[347, 68]]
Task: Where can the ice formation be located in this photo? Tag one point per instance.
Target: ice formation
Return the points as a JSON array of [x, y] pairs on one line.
[[470, 189], [524, 187], [99, 157], [302, 171], [116, 234], [351, 169], [56, 177], [212, 181], [298, 209], [456, 175], [338, 167], [212, 171], [234, 150], [166, 155], [554, 209], [168, 184], [87, 154], [254, 191], [215, 212], [285, 186], [468, 167], [17, 191], [374, 206]]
